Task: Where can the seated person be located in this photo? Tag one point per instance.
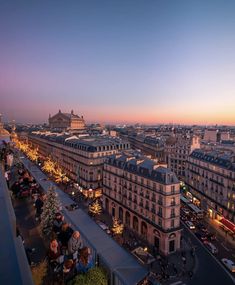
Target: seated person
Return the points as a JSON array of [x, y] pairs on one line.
[[85, 261], [75, 243], [65, 234], [58, 223]]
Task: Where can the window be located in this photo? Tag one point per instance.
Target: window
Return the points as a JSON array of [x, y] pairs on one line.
[[172, 223], [160, 222]]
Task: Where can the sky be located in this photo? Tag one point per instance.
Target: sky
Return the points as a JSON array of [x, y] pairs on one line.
[[146, 61]]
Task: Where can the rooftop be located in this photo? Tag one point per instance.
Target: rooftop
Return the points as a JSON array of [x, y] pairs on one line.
[[144, 167], [88, 143], [221, 159]]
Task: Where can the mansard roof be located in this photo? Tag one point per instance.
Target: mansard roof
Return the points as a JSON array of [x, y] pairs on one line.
[[221, 159]]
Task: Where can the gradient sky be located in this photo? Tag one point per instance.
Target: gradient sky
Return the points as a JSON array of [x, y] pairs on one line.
[[145, 61]]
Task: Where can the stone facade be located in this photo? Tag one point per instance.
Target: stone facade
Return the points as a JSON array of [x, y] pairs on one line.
[[211, 181], [66, 121], [145, 197], [177, 151], [81, 158]]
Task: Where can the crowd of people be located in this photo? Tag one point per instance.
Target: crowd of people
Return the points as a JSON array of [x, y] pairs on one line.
[[67, 255]]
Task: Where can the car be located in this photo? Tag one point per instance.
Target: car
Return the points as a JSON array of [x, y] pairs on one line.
[[185, 211], [201, 226], [183, 218], [201, 236], [229, 264], [211, 236], [212, 248], [190, 225]]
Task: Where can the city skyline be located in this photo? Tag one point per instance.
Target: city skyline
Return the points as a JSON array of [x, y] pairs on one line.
[[121, 62]]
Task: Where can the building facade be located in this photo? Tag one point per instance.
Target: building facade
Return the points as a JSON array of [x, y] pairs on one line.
[[149, 145], [177, 151], [81, 158], [211, 182], [66, 121], [145, 197]]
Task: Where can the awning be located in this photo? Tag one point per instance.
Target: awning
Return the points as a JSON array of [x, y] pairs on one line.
[[228, 224]]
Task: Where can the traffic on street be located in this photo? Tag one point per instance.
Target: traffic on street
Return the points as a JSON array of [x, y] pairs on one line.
[[203, 235]]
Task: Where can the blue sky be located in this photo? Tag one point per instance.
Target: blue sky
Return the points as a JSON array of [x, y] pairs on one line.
[[118, 61]]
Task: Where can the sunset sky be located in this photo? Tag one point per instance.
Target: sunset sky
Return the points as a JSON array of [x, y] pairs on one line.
[[146, 61]]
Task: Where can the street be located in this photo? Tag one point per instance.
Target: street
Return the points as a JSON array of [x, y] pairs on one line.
[[208, 270]]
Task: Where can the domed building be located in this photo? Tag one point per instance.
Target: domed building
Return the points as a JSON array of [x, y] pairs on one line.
[[66, 121]]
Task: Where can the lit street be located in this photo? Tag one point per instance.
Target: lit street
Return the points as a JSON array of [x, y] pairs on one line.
[[207, 271]]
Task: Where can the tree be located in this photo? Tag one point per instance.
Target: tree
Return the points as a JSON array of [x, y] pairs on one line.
[[60, 176], [118, 227], [95, 275], [95, 208], [50, 208], [33, 154], [49, 165]]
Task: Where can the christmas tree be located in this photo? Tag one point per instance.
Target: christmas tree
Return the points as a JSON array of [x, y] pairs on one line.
[[95, 208], [50, 208], [117, 228]]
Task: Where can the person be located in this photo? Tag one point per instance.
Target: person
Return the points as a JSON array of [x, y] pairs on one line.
[[65, 234], [58, 222], [29, 252], [85, 261], [54, 250], [69, 270], [7, 177], [75, 243], [15, 189], [39, 205]]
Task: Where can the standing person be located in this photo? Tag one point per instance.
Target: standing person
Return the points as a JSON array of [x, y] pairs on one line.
[[38, 205], [65, 234], [75, 243], [7, 177], [57, 224]]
